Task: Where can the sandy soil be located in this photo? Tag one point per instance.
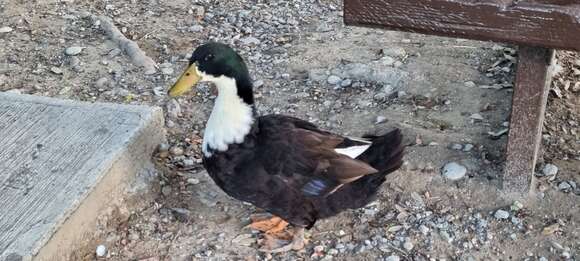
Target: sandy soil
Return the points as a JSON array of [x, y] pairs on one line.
[[435, 89]]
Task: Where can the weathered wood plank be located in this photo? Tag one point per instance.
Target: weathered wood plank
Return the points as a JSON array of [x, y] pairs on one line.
[[533, 77], [545, 23]]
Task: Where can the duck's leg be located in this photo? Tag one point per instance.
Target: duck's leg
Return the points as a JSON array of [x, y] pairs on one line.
[[269, 224], [298, 243]]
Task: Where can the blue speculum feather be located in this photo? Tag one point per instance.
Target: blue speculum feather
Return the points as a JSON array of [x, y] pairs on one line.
[[314, 187]]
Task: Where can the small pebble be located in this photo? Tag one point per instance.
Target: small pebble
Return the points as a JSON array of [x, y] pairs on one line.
[[550, 170], [516, 206], [445, 236], [513, 236], [333, 79], [56, 70], [196, 28], [166, 191], [476, 117], [188, 162], [193, 181], [101, 82], [542, 259], [501, 214], [101, 251], [258, 83], [319, 248], [346, 83], [176, 151], [424, 229], [167, 70], [456, 146], [163, 147], [454, 171], [388, 61], [73, 50], [468, 147], [5, 29], [470, 84], [380, 119], [395, 228], [393, 258], [408, 246], [564, 186]]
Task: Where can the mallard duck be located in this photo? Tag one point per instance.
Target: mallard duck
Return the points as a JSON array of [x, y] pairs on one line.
[[281, 164]]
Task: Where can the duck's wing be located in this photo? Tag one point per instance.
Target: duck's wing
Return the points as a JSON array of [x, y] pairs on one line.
[[311, 160]]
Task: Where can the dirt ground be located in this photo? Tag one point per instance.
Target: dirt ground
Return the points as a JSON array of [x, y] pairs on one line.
[[446, 95]]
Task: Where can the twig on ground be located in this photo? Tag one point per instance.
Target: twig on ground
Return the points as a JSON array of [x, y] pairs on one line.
[[131, 48]]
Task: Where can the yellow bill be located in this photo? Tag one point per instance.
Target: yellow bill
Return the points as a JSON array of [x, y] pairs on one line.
[[186, 82]]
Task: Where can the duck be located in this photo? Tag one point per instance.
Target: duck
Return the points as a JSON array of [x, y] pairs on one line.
[[295, 171]]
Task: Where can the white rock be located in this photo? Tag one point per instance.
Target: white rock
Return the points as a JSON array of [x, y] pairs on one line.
[[188, 162], [388, 90], [468, 147], [73, 50], [408, 246], [395, 51], [250, 40], [566, 255], [501, 214], [317, 75], [193, 181], [550, 170], [101, 251], [380, 119], [454, 171], [346, 83], [476, 117], [333, 79], [393, 258], [516, 206], [470, 84], [196, 28], [424, 229], [258, 83], [387, 60], [56, 70], [167, 70], [101, 82], [564, 186], [5, 29]]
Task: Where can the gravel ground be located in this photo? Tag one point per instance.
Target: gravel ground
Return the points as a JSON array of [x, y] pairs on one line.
[[449, 96]]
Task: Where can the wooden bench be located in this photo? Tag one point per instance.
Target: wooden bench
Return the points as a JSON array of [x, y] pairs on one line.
[[537, 26]]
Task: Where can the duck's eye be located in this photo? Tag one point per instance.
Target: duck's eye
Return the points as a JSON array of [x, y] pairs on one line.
[[209, 57]]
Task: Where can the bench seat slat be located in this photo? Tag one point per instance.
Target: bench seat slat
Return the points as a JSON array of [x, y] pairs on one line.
[[543, 23]]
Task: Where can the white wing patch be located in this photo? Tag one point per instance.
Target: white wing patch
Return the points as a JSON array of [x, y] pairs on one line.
[[353, 151]]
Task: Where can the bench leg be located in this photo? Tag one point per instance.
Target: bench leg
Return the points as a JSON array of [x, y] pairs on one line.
[[534, 74]]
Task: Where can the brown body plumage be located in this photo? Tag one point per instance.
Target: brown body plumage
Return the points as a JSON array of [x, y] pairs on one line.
[[289, 167]]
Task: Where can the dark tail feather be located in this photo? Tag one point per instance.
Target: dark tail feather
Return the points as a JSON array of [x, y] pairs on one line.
[[386, 155], [385, 152]]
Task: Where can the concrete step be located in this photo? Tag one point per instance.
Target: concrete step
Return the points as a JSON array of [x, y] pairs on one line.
[[61, 164]]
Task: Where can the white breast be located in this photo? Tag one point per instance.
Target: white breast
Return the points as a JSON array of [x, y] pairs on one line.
[[230, 121]]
